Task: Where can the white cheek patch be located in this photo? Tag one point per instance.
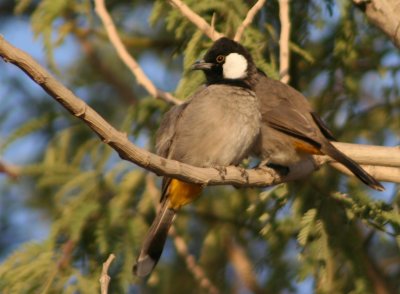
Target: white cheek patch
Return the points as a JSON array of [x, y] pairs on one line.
[[235, 66]]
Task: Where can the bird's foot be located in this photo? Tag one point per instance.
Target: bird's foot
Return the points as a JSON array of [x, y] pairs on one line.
[[280, 169], [243, 173], [222, 171]]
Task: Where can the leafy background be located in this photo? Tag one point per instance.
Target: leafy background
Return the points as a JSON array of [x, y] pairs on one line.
[[76, 201]]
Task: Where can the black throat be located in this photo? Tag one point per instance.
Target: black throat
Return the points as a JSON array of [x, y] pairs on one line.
[[248, 83]]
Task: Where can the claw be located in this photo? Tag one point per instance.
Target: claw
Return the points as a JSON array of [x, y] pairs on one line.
[[243, 173], [280, 169], [222, 171]]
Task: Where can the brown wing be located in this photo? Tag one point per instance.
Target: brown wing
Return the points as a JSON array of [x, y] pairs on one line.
[[166, 131], [287, 110], [323, 127]]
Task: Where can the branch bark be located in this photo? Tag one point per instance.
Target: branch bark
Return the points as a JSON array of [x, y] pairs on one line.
[[284, 41], [385, 15], [128, 60], [196, 19], [161, 166], [249, 19], [243, 267], [381, 173], [124, 90], [10, 170], [105, 278]]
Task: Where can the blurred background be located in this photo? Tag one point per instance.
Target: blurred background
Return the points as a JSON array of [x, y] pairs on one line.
[[69, 200]]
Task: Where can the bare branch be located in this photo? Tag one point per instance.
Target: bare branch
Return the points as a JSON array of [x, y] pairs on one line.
[[371, 155], [191, 263], [62, 263], [243, 267], [129, 61], [249, 19], [196, 19], [383, 173], [284, 41], [105, 278], [124, 90], [10, 170], [385, 15], [128, 151]]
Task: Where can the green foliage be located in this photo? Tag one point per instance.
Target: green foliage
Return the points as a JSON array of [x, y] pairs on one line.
[[307, 225], [293, 235], [25, 129]]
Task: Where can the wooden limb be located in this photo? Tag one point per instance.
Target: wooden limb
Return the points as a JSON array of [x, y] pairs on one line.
[[385, 15], [243, 267], [10, 170], [105, 278], [284, 41], [248, 20], [381, 173], [370, 154], [196, 19], [127, 59], [191, 264]]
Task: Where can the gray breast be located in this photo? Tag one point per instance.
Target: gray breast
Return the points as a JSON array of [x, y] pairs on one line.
[[217, 128]]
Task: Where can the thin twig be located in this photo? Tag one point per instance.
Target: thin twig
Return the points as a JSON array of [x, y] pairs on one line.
[[105, 278], [181, 246], [249, 19], [10, 170], [62, 263], [128, 60], [284, 56], [89, 49], [243, 267], [196, 20], [191, 264]]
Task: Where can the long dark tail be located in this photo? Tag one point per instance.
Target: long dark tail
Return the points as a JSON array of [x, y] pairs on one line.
[[154, 241], [354, 167]]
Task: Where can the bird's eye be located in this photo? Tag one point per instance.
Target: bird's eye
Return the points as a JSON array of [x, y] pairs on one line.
[[220, 58]]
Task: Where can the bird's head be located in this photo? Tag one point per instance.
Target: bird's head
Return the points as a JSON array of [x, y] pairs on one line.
[[227, 62]]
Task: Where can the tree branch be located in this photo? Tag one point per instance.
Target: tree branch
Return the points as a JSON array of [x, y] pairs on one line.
[[62, 263], [128, 60], [385, 15], [105, 278], [191, 264], [10, 170], [159, 165], [248, 20], [284, 41], [124, 90], [243, 267], [196, 19], [381, 173], [371, 154]]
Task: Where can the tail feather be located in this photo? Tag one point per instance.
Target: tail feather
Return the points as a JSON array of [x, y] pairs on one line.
[[154, 241], [354, 167]]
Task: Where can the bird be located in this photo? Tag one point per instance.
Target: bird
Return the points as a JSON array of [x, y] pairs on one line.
[[217, 126], [292, 131]]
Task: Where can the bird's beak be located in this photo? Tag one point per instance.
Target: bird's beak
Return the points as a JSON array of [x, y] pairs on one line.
[[201, 65]]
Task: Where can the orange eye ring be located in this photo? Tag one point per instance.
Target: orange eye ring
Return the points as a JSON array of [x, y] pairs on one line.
[[220, 58]]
